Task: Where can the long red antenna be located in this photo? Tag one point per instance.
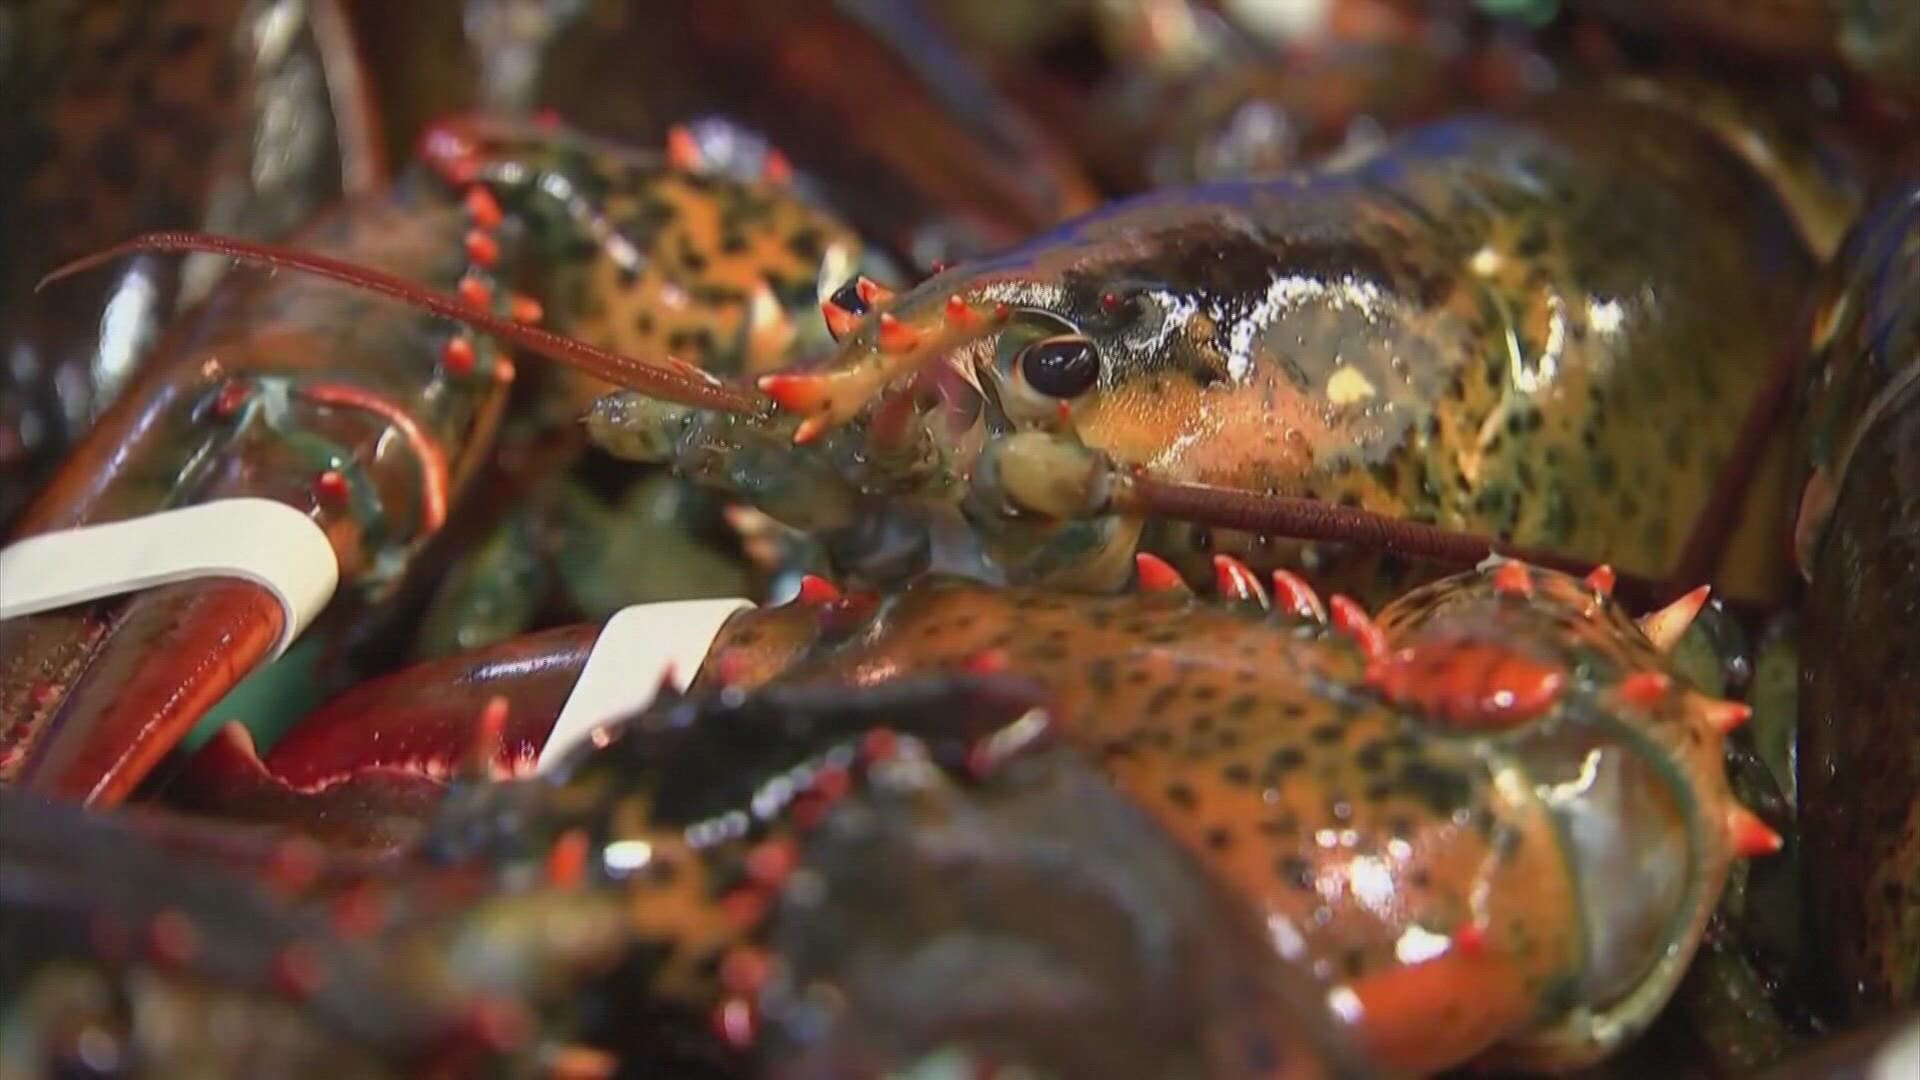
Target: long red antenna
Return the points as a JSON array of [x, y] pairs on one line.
[[670, 379], [1308, 519]]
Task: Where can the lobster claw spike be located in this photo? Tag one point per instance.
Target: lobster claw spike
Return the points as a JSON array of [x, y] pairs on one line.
[[957, 312], [683, 150], [1235, 581], [1351, 619], [1749, 835], [489, 739], [1512, 578], [1721, 715], [809, 430], [895, 336], [839, 320], [776, 169], [795, 393], [986, 662], [1157, 575], [1666, 627], [1293, 595], [874, 293], [1601, 581], [1645, 689], [815, 589]]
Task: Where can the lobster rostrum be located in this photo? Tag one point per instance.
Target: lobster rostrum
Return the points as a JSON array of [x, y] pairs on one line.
[[1498, 333], [676, 896], [375, 419], [1430, 809]]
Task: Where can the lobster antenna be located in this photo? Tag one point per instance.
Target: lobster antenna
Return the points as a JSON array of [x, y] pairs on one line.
[[1309, 519], [671, 379]]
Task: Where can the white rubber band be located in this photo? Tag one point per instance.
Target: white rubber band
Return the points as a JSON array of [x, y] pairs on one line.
[[637, 648], [268, 543]]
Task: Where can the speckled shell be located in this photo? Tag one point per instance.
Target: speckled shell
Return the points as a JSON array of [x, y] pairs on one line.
[[1859, 533], [1367, 834], [1511, 327]]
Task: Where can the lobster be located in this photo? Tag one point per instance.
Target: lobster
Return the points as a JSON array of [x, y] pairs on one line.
[[1414, 804], [1434, 353], [1855, 540], [764, 861], [261, 394]]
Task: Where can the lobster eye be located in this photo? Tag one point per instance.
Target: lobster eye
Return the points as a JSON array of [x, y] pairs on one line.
[[1061, 367]]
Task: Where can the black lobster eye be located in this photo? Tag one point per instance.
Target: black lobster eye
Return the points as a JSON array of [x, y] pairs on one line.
[[847, 298], [1061, 367]]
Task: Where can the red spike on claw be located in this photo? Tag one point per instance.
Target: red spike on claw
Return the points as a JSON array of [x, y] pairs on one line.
[[1292, 594], [985, 662], [896, 336], [1511, 578], [483, 209], [525, 309], [776, 169], [810, 429], [815, 589], [796, 393], [1156, 574], [1469, 938], [1645, 688], [567, 859], [482, 248], [1601, 581], [475, 293], [1721, 715], [1749, 835], [331, 487], [457, 356], [683, 150], [874, 293], [1352, 620], [957, 312], [839, 320], [1234, 580], [1667, 626]]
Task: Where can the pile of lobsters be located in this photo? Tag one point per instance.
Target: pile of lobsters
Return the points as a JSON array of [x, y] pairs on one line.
[[1274, 538]]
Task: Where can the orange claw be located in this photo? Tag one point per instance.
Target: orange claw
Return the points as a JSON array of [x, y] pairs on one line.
[[1156, 574], [1601, 580]]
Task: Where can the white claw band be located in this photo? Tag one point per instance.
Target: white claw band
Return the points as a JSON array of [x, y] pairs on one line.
[[638, 647], [267, 543]]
